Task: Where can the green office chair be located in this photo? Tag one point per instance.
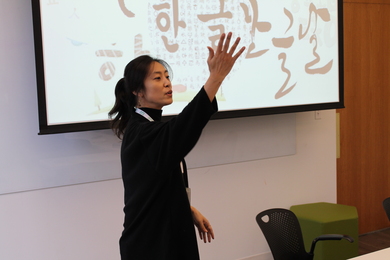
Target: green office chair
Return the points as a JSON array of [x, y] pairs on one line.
[[284, 236]]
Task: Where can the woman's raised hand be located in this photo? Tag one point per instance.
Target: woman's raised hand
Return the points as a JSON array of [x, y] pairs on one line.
[[221, 62]]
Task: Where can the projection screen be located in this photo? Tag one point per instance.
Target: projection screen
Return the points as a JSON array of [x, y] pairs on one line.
[[293, 58]]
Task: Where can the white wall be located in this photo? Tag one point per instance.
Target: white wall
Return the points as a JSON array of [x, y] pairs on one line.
[[232, 195], [84, 221]]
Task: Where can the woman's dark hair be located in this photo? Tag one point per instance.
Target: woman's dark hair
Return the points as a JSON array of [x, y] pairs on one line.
[[132, 82]]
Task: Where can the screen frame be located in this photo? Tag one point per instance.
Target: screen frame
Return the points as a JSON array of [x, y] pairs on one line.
[[45, 128]]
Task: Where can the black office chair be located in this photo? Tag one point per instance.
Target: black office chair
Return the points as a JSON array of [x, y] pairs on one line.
[[386, 206], [284, 236]]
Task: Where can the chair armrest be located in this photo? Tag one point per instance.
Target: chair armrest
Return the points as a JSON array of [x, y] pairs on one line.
[[329, 237]]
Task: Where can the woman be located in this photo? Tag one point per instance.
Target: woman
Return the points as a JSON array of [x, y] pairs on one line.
[[159, 221]]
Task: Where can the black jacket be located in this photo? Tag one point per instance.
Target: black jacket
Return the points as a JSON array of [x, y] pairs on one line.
[[158, 222]]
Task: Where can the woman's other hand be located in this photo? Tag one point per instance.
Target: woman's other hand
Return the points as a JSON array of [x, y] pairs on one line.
[[205, 230]]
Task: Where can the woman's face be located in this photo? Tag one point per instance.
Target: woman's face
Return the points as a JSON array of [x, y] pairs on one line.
[[158, 88]]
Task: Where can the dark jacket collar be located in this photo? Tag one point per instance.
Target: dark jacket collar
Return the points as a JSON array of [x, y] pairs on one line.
[[156, 114]]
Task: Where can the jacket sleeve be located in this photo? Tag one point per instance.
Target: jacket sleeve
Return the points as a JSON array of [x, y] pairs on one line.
[[169, 142]]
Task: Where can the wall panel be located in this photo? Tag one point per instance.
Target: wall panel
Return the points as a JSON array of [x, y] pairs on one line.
[[363, 166]]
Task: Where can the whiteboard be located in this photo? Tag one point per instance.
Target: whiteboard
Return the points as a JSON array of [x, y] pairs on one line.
[[244, 139]]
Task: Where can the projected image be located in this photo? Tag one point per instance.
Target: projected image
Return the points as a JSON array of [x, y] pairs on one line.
[[291, 57]]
